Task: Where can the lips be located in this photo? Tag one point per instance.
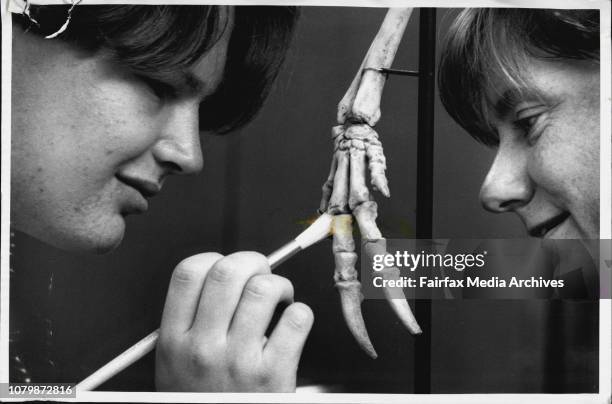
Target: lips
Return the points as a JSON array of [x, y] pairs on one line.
[[545, 227], [146, 188]]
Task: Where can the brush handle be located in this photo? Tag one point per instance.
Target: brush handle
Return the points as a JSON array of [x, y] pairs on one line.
[[283, 254], [125, 359], [147, 344]]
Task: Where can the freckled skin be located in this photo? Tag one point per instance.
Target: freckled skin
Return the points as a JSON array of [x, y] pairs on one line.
[[557, 169], [78, 121]]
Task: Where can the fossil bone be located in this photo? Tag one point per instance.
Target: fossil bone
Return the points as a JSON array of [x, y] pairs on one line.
[[365, 214], [361, 103], [345, 191], [345, 276]]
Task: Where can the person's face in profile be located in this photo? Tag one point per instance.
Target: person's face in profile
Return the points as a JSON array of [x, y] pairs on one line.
[[547, 165], [91, 142]]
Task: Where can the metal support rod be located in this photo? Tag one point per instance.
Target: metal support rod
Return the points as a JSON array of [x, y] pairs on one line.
[[399, 72], [424, 202]]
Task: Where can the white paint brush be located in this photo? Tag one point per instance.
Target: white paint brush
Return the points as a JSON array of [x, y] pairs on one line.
[[316, 232]]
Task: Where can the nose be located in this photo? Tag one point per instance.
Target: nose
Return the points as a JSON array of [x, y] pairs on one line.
[[507, 185], [178, 148]]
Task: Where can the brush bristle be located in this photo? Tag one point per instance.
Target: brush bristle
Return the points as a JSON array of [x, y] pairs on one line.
[[315, 232]]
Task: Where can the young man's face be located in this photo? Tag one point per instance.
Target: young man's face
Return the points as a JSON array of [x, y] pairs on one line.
[[547, 165], [92, 142]]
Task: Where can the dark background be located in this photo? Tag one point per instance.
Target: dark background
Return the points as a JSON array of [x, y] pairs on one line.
[[257, 188]]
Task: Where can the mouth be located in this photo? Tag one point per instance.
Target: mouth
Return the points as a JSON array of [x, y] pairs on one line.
[[547, 226], [145, 188]]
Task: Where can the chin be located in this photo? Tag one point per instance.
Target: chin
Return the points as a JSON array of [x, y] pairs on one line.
[[91, 239]]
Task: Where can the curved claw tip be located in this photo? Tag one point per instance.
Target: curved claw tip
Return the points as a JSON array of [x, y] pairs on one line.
[[403, 312], [350, 298], [382, 187]]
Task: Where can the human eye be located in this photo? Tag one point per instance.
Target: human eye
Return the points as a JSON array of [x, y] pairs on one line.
[[530, 122], [161, 90]]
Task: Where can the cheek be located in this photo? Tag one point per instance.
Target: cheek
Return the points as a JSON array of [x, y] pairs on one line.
[[565, 163], [123, 116]]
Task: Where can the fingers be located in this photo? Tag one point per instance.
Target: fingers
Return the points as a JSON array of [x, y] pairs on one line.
[[366, 214], [184, 291], [402, 311], [394, 295], [350, 299], [260, 297], [358, 190], [286, 342], [377, 164], [328, 186], [338, 203], [342, 235], [222, 291]]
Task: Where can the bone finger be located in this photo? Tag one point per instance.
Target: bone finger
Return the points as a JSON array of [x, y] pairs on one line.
[[350, 299], [337, 135], [342, 230], [366, 214], [358, 192], [397, 300], [328, 186], [345, 276], [375, 245], [366, 105], [402, 309], [374, 151], [338, 202], [377, 164], [394, 295]]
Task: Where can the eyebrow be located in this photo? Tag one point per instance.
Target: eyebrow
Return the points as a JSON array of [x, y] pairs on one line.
[[182, 81], [510, 98], [191, 82]]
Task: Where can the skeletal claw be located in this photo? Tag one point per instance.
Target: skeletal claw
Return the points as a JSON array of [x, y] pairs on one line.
[[337, 136], [350, 298], [345, 276], [358, 190], [364, 135], [402, 310], [394, 295], [366, 214], [342, 230], [377, 164], [338, 202], [328, 186]]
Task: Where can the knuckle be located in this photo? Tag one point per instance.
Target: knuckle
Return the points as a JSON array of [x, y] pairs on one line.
[[251, 260], [223, 271], [168, 342], [203, 356], [261, 286], [285, 284], [299, 316], [192, 268], [242, 369]]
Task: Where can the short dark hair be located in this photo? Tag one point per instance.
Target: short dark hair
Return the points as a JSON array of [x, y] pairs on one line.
[[165, 39], [486, 44]]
